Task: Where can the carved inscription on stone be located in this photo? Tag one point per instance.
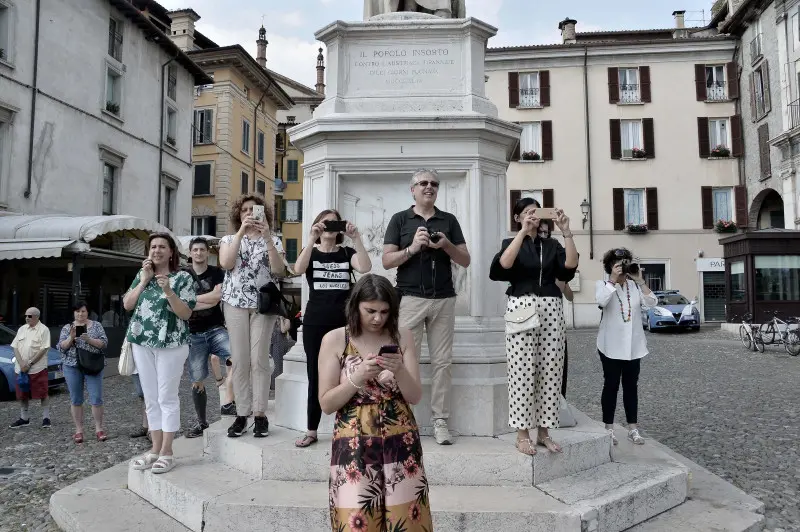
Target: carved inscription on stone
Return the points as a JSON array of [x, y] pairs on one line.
[[404, 67]]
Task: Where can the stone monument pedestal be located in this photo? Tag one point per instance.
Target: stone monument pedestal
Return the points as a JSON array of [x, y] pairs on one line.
[[406, 91]]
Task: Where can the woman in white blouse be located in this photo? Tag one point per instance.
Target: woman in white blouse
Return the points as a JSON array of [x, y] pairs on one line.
[[620, 341]]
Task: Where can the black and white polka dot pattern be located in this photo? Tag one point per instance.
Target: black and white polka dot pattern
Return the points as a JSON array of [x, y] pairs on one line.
[[535, 365]]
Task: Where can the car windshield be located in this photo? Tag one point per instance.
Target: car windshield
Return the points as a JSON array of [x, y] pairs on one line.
[[672, 299], [6, 335]]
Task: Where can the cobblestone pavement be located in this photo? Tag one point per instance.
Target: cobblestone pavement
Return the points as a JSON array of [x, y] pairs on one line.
[[702, 394]]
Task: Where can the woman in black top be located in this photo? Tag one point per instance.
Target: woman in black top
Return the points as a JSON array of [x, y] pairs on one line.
[[534, 322], [328, 267]]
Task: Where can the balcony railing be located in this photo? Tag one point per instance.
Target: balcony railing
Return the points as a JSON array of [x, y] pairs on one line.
[[629, 93], [716, 91], [794, 114], [529, 98], [755, 48], [280, 186], [115, 45]]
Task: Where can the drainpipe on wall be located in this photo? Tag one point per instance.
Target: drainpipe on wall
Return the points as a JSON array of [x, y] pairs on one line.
[[588, 149], [738, 110], [161, 139], [255, 144], [34, 90]]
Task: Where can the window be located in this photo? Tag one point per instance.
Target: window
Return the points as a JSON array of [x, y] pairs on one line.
[[245, 183], [5, 32], [115, 39], [756, 43], [292, 211], [113, 91], [635, 212], [245, 136], [760, 102], [531, 140], [169, 206], [279, 142], [629, 85], [777, 278], [291, 171], [631, 135], [172, 82], [109, 188], [715, 83], [529, 90], [260, 146], [204, 225], [723, 204], [172, 125], [203, 126], [738, 290], [261, 187], [202, 180], [291, 250], [718, 132], [537, 195]]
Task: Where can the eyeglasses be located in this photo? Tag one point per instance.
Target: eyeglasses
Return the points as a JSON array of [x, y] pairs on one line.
[[424, 184]]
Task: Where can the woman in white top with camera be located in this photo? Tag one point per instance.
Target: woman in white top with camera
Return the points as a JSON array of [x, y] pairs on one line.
[[621, 342]]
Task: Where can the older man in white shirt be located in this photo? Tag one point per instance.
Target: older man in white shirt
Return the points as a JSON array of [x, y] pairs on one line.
[[30, 357]]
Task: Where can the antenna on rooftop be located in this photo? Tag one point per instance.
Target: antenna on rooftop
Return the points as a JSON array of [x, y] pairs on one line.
[[696, 18]]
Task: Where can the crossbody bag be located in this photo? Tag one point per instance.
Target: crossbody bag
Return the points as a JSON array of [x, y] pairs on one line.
[[526, 316]]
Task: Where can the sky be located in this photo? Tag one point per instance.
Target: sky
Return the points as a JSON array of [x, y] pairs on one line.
[[291, 24]]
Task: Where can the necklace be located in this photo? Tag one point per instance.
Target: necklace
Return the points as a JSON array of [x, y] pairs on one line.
[[622, 307]]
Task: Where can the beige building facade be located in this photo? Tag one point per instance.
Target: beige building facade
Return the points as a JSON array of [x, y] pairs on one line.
[[639, 129]]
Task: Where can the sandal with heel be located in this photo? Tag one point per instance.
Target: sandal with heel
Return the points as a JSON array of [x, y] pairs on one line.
[[164, 464], [146, 461]]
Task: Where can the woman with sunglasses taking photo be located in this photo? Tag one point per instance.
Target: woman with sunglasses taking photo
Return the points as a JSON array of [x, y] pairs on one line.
[[621, 343]]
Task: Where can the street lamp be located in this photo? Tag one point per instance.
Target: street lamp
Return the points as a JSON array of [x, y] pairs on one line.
[[585, 211]]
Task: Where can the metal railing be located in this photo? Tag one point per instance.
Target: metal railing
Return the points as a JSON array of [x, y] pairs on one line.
[[115, 44], [629, 93], [529, 98], [794, 114], [755, 47], [716, 91]]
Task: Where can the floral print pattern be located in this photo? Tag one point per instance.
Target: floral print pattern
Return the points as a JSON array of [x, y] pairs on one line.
[[95, 332], [153, 323], [377, 481], [251, 272]]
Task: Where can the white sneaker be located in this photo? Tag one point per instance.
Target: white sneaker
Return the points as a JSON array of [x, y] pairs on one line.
[[440, 432], [613, 438], [635, 437]]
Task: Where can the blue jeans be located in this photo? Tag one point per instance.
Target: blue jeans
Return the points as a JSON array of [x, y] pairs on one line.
[[202, 345], [75, 382]]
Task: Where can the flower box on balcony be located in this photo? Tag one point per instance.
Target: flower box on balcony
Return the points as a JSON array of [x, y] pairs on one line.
[[637, 229], [530, 156], [725, 226], [720, 151], [636, 153], [2, 53], [112, 107], [171, 141]]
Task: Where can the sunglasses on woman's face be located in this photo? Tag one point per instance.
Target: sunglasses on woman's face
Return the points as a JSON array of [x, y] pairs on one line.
[[619, 252]]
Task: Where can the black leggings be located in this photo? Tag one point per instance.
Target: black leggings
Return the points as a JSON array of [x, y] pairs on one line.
[[628, 372], [312, 341]]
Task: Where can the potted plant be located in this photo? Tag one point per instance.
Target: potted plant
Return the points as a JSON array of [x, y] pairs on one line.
[[725, 226], [112, 107], [637, 228], [637, 153], [170, 140], [721, 151], [530, 156], [2, 53]]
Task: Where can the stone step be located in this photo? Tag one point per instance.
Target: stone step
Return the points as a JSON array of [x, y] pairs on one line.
[[471, 461]]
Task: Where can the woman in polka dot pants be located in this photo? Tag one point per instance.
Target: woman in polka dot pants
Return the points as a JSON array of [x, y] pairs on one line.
[[531, 265]]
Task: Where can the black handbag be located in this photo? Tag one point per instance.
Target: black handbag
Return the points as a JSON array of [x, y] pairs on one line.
[[90, 363], [272, 302]]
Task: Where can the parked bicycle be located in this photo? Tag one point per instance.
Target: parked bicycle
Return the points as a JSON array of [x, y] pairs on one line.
[[778, 331], [750, 335]]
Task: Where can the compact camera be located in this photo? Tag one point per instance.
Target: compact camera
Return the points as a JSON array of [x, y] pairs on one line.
[[434, 236]]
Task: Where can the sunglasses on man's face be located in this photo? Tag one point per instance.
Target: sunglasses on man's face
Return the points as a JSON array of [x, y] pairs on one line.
[[424, 184], [28, 316]]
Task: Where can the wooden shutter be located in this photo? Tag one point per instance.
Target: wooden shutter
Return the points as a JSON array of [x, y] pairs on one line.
[[736, 136], [707, 201], [616, 139], [648, 134], [547, 140], [732, 78], [619, 208], [208, 128], [544, 88], [515, 197], [752, 83], [212, 226], [548, 198], [613, 85], [702, 137], [740, 194], [513, 89], [652, 208], [700, 82], [515, 155], [644, 84], [299, 210], [763, 150]]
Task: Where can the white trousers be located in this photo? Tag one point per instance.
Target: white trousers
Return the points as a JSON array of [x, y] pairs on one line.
[[160, 372]]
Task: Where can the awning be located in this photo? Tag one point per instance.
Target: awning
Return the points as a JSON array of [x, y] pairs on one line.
[[80, 228], [32, 248]]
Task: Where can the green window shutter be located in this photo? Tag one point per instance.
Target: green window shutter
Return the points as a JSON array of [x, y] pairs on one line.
[[300, 210], [283, 211]]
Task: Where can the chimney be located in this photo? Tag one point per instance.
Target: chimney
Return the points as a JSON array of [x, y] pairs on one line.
[[320, 87], [680, 21], [262, 47], [567, 27], [181, 30]]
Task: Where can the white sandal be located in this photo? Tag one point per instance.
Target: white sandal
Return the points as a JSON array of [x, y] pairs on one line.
[[164, 464], [635, 437], [146, 461]]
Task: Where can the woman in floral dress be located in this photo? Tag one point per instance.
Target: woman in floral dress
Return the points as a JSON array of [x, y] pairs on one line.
[[377, 480]]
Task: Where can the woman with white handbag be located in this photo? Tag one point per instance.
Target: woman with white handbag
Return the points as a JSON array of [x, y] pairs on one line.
[[535, 328]]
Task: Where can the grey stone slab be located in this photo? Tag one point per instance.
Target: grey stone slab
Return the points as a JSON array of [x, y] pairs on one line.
[[701, 516]]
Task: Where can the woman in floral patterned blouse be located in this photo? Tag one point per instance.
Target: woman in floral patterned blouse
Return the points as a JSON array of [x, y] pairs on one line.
[[251, 258], [377, 481], [162, 299]]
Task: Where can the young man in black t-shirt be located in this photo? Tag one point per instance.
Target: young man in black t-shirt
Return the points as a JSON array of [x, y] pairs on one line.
[[207, 327]]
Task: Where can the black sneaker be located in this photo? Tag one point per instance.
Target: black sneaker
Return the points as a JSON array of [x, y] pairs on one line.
[[228, 410], [46, 423], [238, 428], [261, 429], [197, 430], [20, 423]]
